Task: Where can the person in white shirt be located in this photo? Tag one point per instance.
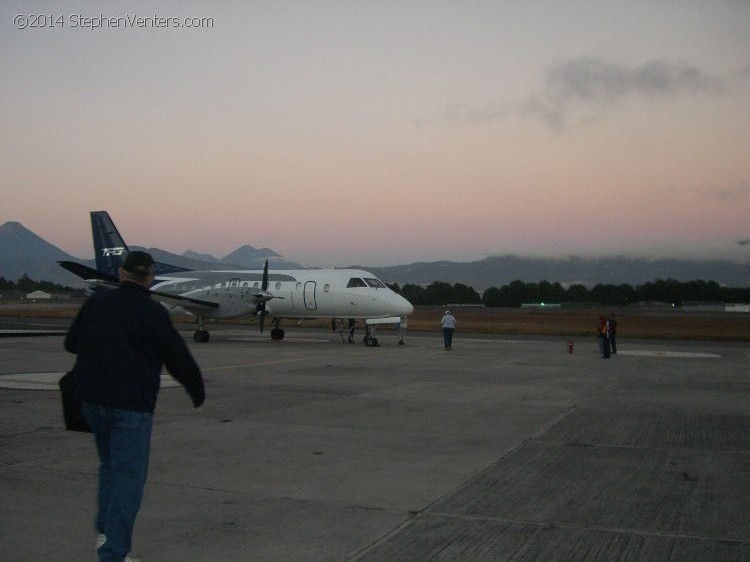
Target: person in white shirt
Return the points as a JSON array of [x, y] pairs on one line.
[[448, 323], [401, 329]]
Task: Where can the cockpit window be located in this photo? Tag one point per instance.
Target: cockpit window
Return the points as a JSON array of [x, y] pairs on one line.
[[355, 282], [375, 283]]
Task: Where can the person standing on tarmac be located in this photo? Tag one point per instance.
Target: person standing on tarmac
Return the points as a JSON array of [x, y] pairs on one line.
[[448, 324], [613, 333], [602, 332], [122, 339], [401, 329]]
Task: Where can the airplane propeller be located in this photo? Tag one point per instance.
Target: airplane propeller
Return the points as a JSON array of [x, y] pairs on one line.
[[264, 296]]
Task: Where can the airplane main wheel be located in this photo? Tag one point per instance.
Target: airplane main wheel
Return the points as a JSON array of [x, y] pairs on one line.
[[201, 336], [277, 334]]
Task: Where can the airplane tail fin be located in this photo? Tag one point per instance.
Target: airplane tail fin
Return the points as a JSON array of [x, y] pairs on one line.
[[110, 248]]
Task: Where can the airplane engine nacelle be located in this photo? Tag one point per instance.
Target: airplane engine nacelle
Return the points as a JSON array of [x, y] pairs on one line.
[[233, 305]]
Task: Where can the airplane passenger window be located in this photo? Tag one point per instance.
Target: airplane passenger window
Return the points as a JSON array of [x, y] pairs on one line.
[[278, 285], [355, 282], [327, 287], [376, 283], [299, 286]]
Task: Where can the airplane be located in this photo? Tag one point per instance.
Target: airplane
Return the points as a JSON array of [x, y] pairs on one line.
[[338, 294]]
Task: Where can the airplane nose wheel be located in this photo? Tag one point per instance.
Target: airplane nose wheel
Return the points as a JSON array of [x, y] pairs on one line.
[[370, 339]]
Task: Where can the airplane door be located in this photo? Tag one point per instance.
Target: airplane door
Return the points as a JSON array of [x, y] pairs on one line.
[[310, 296]]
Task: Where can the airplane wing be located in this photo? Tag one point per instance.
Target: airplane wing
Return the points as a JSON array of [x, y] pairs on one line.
[[98, 279], [178, 300], [86, 273]]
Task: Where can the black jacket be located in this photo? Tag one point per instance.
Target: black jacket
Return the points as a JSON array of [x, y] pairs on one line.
[[122, 339]]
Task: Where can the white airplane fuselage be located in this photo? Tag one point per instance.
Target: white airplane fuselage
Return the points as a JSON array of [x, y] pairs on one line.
[[313, 293]]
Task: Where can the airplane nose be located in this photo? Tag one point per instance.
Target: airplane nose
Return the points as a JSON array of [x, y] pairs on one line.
[[406, 307]]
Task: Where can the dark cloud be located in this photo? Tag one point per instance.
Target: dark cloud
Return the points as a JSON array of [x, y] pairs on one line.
[[590, 81], [550, 113], [599, 80]]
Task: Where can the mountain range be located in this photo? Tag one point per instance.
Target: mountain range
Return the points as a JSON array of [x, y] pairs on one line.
[[24, 252]]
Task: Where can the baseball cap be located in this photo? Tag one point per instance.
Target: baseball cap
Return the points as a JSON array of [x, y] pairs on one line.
[[138, 262]]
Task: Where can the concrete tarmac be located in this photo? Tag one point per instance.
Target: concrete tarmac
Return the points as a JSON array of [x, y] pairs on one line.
[[314, 450]]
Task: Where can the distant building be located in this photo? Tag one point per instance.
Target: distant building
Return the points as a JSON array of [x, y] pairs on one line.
[[38, 295]]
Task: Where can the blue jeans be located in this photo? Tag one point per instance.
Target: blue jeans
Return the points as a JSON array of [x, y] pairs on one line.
[[604, 346], [448, 337], [123, 441]]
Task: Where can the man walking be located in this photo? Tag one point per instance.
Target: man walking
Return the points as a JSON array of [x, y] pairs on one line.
[[122, 339], [448, 324], [401, 329]]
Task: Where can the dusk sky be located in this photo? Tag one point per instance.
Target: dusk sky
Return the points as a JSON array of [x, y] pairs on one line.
[[381, 132]]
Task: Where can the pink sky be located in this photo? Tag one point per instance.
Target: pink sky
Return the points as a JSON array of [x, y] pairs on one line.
[[388, 132]]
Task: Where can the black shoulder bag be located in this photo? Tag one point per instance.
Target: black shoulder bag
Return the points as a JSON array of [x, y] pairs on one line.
[[72, 406]]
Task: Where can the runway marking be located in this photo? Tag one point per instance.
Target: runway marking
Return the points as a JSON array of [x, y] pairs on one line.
[[678, 354], [267, 340], [49, 381]]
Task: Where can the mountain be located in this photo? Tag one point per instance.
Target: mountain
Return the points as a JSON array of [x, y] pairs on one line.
[[186, 261], [23, 252], [254, 258], [191, 255], [502, 270], [18, 243], [245, 257]]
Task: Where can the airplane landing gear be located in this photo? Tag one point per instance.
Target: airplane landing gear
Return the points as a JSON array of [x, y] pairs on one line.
[[344, 328], [370, 340], [201, 335], [277, 333]]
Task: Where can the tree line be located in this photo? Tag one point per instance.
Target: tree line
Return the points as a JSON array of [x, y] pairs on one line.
[[517, 293], [26, 284]]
